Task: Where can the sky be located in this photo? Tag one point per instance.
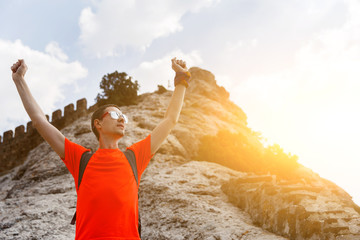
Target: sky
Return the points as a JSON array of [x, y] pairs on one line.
[[291, 65]]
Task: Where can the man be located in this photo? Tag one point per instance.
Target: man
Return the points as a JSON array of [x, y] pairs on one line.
[[107, 205]]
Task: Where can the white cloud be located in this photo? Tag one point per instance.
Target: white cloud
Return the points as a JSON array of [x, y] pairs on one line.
[[46, 77], [159, 71], [54, 50], [234, 46], [111, 25]]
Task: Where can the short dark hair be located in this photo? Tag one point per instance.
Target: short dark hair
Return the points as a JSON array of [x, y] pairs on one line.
[[98, 114]]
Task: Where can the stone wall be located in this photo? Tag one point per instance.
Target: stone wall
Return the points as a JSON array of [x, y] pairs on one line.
[[14, 148], [316, 210]]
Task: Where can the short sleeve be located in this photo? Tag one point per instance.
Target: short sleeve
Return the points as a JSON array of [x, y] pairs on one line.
[[142, 150], [72, 158]]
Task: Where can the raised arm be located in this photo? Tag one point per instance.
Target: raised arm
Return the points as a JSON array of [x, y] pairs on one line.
[[50, 133], [172, 114]]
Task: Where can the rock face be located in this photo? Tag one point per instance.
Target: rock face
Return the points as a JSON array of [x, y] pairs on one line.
[[305, 210], [180, 198]]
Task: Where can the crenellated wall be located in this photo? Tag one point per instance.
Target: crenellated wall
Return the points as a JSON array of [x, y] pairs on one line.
[[14, 148]]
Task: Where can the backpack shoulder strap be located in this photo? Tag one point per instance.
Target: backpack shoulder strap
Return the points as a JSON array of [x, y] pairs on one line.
[[84, 160], [130, 156], [85, 157]]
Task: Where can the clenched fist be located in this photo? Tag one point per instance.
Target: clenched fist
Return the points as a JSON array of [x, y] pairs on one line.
[[178, 65], [18, 70], [183, 75]]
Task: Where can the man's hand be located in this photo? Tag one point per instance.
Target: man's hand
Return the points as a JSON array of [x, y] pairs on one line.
[[50, 133], [179, 65], [18, 70], [160, 133]]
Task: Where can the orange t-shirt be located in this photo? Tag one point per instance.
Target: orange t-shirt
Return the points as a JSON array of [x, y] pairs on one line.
[[107, 202]]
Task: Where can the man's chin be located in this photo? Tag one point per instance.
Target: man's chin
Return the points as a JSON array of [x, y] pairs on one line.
[[121, 133]]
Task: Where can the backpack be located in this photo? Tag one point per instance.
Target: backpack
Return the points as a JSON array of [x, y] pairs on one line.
[[130, 156]]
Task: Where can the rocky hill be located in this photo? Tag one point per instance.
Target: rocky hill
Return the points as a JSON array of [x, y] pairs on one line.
[[180, 198]]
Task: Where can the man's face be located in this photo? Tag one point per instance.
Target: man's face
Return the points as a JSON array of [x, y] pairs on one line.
[[112, 127]]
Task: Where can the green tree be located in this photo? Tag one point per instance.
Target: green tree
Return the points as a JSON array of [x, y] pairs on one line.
[[281, 163], [118, 88], [232, 150]]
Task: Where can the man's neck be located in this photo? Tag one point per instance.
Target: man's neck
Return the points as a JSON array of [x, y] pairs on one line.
[[106, 143]]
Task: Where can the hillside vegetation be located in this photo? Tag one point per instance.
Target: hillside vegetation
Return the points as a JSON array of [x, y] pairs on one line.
[[233, 150]]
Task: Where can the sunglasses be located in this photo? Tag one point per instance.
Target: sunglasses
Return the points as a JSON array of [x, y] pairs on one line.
[[115, 115]]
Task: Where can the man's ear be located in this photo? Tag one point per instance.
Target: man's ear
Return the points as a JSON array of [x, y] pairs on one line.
[[97, 123]]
